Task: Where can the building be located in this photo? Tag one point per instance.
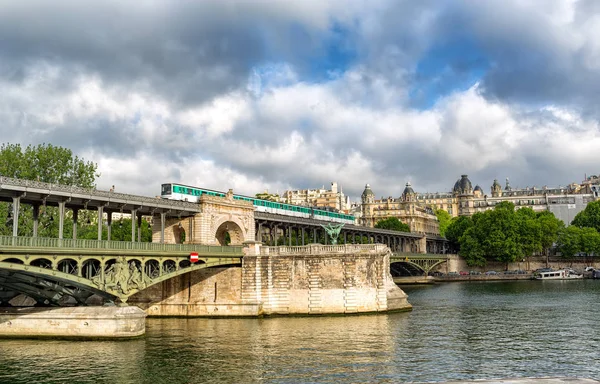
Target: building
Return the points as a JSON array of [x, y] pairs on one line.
[[419, 217], [333, 198], [464, 200]]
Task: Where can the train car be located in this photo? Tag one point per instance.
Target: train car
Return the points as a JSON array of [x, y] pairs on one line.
[[192, 194]]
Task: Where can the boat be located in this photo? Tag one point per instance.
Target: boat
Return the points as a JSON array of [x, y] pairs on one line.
[[561, 274]]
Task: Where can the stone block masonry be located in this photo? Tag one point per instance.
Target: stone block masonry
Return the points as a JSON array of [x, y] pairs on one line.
[[310, 280]]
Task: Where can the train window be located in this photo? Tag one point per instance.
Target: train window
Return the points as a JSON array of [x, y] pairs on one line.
[[166, 189]]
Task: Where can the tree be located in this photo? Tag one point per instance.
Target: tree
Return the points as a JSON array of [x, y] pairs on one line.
[[393, 224], [569, 242], [444, 219], [589, 217], [529, 232], [457, 227], [50, 164]]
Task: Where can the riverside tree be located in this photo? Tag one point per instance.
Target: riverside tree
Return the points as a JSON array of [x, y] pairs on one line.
[[444, 219], [504, 235]]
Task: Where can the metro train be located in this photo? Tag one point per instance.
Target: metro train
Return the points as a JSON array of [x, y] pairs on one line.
[[192, 194]]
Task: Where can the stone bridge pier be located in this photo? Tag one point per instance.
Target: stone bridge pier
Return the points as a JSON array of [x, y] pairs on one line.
[[221, 221]]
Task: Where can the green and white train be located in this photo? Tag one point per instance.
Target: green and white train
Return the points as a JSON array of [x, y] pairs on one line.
[[192, 194]]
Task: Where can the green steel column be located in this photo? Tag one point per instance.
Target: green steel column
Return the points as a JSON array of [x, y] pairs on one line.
[[109, 224], [36, 217], [100, 218], [16, 204], [139, 228], [162, 227], [61, 218], [133, 215], [75, 216]]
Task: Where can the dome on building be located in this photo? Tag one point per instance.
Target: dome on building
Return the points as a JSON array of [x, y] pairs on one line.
[[456, 187], [367, 192], [463, 186], [496, 185], [408, 190], [477, 189]]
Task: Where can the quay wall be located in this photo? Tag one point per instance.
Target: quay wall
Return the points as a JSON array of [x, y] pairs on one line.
[[72, 322], [309, 280], [456, 264]]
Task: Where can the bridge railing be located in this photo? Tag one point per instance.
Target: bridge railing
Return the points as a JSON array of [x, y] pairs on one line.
[[319, 249], [45, 242]]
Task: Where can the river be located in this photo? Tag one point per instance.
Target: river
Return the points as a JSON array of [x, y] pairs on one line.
[[467, 330]]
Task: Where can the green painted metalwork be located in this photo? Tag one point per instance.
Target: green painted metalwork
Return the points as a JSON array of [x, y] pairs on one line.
[[42, 242], [424, 262], [50, 269]]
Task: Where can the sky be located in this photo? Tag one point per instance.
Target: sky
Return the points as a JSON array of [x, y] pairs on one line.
[[275, 95]]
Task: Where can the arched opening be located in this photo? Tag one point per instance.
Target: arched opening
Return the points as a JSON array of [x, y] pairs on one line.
[[68, 266], [402, 269], [42, 263], [90, 268], [179, 234], [229, 233], [169, 266], [152, 269], [12, 261]]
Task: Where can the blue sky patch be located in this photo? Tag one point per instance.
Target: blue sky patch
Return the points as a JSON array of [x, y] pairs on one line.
[[447, 68]]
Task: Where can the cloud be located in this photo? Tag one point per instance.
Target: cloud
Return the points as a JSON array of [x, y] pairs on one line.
[[274, 95]]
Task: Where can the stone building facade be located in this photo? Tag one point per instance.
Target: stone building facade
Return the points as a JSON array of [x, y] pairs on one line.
[[465, 200], [332, 198], [419, 217]]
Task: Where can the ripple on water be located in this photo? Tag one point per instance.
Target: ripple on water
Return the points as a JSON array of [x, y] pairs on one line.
[[456, 331]]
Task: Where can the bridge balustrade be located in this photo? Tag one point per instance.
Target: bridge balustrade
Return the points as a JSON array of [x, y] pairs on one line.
[[319, 249], [44, 242]]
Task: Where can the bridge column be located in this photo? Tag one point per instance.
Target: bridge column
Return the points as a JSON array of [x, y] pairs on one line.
[[314, 235], [139, 230], [15, 215], [75, 216], [109, 224], [289, 232], [162, 227], [36, 219], [133, 216], [100, 218], [61, 218]]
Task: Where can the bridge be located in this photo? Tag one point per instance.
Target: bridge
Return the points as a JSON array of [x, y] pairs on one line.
[[415, 264], [72, 271], [209, 222]]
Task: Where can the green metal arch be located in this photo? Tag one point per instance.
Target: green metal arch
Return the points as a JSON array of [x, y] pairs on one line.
[[84, 283]]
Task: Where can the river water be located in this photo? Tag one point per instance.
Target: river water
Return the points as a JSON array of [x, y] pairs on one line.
[[471, 330]]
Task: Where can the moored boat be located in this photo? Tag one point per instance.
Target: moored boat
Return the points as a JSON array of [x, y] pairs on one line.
[[561, 274]]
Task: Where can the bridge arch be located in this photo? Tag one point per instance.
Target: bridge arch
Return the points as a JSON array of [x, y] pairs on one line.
[[232, 227]]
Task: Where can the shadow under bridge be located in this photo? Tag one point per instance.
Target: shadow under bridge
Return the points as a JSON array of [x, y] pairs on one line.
[[413, 264], [70, 272]]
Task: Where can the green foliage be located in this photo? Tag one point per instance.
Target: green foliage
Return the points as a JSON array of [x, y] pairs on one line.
[[46, 163], [393, 224], [573, 240], [503, 234], [267, 196], [50, 164], [589, 217], [550, 227], [569, 241], [457, 227], [444, 219]]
